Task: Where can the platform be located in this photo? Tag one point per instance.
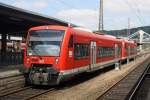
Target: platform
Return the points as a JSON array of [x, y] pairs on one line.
[[7, 71]]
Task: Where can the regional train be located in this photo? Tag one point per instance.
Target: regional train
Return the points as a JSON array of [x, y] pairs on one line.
[[54, 53]]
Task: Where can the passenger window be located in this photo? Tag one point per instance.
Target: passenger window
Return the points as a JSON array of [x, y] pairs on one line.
[[105, 51], [81, 51], [71, 42]]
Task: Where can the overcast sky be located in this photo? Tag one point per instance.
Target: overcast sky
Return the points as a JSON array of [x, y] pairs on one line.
[[85, 12]]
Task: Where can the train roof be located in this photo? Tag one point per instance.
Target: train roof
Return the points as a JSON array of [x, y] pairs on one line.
[[128, 41], [95, 35], [49, 27], [110, 36], [82, 32]]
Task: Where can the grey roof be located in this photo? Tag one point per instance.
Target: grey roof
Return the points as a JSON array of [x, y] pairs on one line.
[[13, 19]]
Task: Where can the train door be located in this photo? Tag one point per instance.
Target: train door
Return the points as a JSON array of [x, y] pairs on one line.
[[93, 54], [129, 51], [116, 52]]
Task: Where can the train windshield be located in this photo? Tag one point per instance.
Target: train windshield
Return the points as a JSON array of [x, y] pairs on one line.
[[45, 42]]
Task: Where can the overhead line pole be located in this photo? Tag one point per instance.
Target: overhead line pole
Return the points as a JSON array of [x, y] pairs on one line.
[[128, 30], [101, 23]]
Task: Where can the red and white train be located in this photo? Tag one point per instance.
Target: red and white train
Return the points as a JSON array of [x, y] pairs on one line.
[[56, 53]]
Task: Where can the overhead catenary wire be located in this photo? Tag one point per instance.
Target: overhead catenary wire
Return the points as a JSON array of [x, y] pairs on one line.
[[70, 7], [137, 7], [66, 4], [134, 11]]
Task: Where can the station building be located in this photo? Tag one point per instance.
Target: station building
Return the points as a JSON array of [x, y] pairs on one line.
[[14, 24]]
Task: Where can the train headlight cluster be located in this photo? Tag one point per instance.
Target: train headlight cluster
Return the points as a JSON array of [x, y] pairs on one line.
[[28, 60], [56, 61]]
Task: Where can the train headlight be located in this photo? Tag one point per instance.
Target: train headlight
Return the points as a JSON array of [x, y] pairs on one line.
[[56, 61], [28, 60]]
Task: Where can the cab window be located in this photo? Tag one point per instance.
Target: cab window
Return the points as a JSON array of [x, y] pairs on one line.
[[71, 42]]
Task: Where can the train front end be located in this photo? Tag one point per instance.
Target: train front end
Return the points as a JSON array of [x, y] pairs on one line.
[[42, 56]]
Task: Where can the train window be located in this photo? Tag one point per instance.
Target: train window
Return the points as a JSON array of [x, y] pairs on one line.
[[133, 50], [128, 50], [45, 42], [71, 42], [81, 51], [105, 51]]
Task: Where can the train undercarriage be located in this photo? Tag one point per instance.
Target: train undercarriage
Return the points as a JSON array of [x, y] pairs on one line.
[[42, 75]]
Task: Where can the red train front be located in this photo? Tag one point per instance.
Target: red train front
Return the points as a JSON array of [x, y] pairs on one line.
[[45, 54], [56, 53]]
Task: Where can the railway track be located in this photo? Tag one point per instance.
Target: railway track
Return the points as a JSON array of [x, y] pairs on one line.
[[141, 91], [9, 77], [11, 83], [125, 88], [7, 80], [12, 88], [25, 93]]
